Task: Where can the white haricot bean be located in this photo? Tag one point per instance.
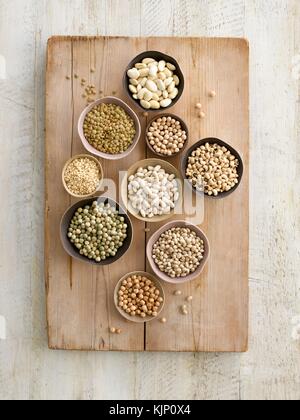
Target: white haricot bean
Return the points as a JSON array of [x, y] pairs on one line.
[[159, 80], [152, 191]]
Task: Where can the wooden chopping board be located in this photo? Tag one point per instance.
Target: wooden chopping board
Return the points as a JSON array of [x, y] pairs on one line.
[[80, 306]]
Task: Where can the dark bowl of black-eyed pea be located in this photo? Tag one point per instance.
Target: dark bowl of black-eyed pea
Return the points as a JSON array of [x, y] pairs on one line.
[[213, 168]]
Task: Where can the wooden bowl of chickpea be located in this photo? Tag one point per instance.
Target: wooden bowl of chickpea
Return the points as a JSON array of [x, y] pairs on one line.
[[139, 297]]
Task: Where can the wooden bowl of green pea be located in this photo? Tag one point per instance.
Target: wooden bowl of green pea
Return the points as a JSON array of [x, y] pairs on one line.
[[96, 231]]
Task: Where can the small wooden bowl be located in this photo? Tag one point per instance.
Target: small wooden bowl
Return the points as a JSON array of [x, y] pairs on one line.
[[129, 111], [154, 238], [73, 251], [66, 166], [170, 169], [158, 56], [212, 140], [138, 319], [183, 126]]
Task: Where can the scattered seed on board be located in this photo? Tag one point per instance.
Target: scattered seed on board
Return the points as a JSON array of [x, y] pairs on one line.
[[76, 76], [189, 299], [112, 330], [93, 70], [184, 310], [68, 77], [199, 106], [163, 320], [212, 93], [178, 293], [119, 331], [202, 115]]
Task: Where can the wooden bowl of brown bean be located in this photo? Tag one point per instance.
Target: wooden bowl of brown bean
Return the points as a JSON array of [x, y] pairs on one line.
[[225, 188], [122, 288], [174, 135]]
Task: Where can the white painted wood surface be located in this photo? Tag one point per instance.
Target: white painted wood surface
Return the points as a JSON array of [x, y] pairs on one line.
[[271, 368]]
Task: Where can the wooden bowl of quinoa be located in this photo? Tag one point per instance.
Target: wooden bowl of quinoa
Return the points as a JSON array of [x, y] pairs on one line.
[[82, 176]]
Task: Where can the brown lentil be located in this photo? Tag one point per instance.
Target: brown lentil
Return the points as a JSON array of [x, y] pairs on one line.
[[109, 129]]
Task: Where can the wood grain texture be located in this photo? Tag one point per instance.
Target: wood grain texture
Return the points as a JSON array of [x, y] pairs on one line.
[[271, 368], [80, 308]]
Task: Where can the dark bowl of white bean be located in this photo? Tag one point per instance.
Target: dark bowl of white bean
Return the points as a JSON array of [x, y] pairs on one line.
[[96, 231], [213, 168], [147, 81]]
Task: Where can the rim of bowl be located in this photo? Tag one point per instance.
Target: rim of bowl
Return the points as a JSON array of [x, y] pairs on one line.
[[144, 163], [127, 109], [138, 319], [184, 127], [154, 238], [70, 248], [211, 140], [158, 55], [78, 157]]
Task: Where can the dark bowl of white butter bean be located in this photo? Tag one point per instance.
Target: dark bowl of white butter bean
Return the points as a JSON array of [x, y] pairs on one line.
[[154, 81]]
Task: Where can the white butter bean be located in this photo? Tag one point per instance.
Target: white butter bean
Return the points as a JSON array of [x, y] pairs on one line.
[[154, 104], [133, 73], [154, 84], [171, 67], [166, 102], [161, 65], [145, 104], [151, 86]]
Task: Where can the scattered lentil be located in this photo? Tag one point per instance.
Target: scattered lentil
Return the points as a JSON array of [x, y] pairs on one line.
[[112, 330], [139, 296], [166, 136], [119, 331], [97, 231], [178, 293], [212, 93], [178, 252], [163, 320], [189, 299], [109, 129], [198, 106], [212, 168], [202, 115]]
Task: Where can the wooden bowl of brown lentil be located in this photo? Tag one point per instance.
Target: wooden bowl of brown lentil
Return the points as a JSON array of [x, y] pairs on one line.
[[169, 132], [139, 297], [109, 128], [199, 267], [233, 156], [82, 176]]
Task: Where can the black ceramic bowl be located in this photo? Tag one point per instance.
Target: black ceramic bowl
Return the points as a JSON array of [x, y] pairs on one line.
[[211, 140], [72, 250], [158, 56]]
